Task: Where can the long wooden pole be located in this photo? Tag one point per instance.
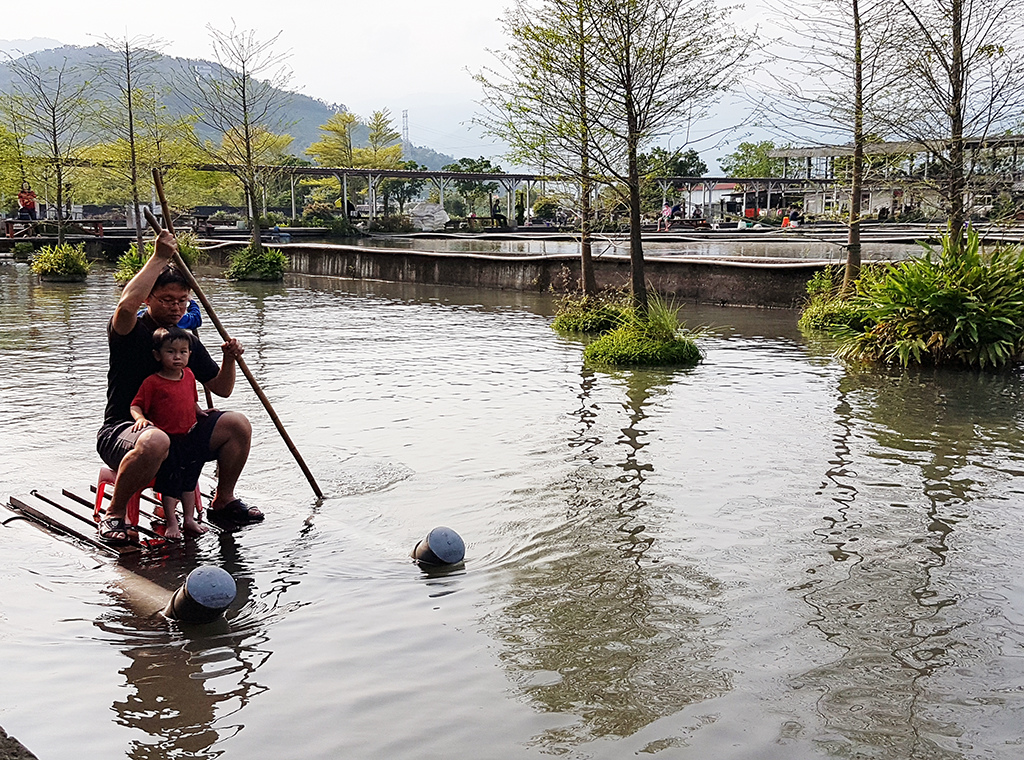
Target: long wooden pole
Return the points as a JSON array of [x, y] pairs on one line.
[[158, 182]]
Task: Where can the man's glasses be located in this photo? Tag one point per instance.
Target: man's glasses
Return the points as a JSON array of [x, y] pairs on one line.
[[170, 301]]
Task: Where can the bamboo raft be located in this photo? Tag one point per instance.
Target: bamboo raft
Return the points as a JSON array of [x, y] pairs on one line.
[[69, 513]]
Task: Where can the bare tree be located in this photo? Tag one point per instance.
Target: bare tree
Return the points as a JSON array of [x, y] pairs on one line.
[[964, 82], [244, 99], [538, 100], [55, 114], [128, 71], [658, 63], [838, 65]]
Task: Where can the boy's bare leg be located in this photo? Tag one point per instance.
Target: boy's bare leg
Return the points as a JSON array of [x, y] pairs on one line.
[[171, 528], [188, 510]]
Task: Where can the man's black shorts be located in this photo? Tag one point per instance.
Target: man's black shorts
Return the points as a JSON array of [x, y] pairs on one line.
[[187, 455]]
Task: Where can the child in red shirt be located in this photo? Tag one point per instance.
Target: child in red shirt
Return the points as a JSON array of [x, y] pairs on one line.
[[168, 399]]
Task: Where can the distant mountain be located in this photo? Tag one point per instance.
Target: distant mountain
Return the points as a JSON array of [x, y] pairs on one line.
[[303, 114]]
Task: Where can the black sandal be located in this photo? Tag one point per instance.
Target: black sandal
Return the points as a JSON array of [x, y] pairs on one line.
[[113, 531], [236, 511]]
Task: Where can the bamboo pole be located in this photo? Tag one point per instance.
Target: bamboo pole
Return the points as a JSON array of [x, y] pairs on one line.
[[158, 182]]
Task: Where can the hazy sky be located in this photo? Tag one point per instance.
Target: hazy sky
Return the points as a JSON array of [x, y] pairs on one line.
[[401, 55]]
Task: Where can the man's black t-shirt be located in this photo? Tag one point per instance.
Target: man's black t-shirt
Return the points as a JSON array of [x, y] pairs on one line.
[[132, 361]]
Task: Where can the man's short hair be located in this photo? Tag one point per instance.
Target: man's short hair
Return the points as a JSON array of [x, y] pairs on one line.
[[171, 276]]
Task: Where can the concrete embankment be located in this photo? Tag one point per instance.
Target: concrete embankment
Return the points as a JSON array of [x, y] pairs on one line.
[[774, 283]]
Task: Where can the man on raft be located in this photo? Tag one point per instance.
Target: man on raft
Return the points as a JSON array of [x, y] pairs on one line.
[[136, 456]]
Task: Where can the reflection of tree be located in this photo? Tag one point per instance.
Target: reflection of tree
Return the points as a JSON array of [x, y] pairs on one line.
[[876, 596], [596, 627]]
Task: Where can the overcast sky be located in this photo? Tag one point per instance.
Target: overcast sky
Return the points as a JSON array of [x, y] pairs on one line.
[[402, 55]]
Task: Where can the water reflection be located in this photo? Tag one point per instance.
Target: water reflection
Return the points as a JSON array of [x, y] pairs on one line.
[[600, 627], [879, 593]]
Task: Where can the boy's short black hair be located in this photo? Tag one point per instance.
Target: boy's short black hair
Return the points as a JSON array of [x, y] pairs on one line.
[[171, 276], [164, 335]]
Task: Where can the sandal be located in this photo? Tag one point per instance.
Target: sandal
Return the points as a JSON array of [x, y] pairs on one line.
[[236, 511], [113, 531]]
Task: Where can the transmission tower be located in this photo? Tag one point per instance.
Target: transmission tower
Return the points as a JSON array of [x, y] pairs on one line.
[[405, 126]]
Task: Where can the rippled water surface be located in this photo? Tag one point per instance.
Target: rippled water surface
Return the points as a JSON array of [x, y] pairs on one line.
[[767, 556]]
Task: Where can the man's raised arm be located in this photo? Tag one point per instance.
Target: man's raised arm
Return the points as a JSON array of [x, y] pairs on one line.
[[141, 285]]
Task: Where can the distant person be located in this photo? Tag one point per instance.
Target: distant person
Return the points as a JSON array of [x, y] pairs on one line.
[[26, 202], [500, 219], [666, 218], [169, 401]]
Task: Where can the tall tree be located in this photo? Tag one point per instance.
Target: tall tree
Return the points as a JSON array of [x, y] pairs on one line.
[[125, 75], [752, 159], [538, 100], [54, 112], [473, 190], [657, 63], [964, 81], [383, 148], [244, 100], [837, 72]]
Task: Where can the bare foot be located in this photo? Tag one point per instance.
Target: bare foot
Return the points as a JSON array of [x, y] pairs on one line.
[[172, 530], [196, 528]]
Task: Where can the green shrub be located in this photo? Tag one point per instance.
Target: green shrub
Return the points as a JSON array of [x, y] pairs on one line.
[[586, 314], [545, 209], [652, 340], [945, 309], [318, 211], [129, 264], [393, 223], [61, 260], [272, 219], [22, 250], [262, 264], [224, 217]]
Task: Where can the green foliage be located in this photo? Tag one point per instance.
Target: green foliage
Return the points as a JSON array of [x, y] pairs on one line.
[[654, 339], [751, 159], [22, 250], [63, 259], [586, 314], [962, 310], [257, 264], [545, 209], [393, 223], [318, 212], [129, 264], [272, 219]]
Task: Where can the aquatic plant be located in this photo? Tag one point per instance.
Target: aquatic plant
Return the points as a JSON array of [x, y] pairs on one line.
[[62, 260], [589, 314], [652, 339], [129, 264], [954, 307], [261, 264]]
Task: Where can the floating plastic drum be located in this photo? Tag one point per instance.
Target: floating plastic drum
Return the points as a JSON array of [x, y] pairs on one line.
[[203, 597], [442, 546]]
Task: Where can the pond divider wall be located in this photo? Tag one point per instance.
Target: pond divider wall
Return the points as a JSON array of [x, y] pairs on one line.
[[775, 283]]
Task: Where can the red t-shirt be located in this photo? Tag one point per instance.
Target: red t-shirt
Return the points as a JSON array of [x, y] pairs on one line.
[[169, 404], [27, 199]]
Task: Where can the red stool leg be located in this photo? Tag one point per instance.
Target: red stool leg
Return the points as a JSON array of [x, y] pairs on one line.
[[107, 477]]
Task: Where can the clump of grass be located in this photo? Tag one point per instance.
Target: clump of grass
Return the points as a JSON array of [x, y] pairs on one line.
[[129, 264], [63, 260], [944, 308], [589, 314], [262, 264], [654, 339]]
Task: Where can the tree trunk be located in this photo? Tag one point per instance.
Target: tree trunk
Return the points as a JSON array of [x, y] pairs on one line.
[[956, 185], [636, 246], [853, 247]]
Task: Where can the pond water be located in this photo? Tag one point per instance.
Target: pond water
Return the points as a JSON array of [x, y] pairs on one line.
[[767, 556], [758, 246]]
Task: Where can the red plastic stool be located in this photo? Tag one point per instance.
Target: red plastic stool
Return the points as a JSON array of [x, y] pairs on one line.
[[107, 478]]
